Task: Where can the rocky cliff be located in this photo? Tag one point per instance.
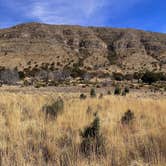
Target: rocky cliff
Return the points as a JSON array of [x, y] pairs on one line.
[[92, 48]]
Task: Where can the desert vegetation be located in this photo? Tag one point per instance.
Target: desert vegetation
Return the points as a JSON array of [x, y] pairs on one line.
[[82, 96], [45, 75], [62, 129]]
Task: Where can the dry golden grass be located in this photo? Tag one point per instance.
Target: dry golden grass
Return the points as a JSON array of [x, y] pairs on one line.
[[28, 138]]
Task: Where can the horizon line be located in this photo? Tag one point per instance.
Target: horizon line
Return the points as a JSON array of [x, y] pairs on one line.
[[77, 25]]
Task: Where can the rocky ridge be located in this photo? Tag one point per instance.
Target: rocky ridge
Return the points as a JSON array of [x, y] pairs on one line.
[[92, 48]]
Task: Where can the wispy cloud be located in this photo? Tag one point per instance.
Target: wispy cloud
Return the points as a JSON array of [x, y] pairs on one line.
[[117, 13], [78, 11], [83, 12], [66, 12]]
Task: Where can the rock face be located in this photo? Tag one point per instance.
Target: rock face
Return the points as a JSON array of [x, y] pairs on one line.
[[92, 48]]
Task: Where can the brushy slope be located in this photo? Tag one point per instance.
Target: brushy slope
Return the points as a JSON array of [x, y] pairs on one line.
[[27, 137], [92, 48]]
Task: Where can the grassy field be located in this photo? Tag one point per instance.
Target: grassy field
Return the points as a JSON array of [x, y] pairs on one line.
[[29, 137]]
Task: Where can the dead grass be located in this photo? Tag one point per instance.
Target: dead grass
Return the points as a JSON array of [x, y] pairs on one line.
[[28, 138]]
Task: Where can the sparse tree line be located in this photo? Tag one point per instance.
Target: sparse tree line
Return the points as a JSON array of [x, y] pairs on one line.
[[49, 75], [144, 76]]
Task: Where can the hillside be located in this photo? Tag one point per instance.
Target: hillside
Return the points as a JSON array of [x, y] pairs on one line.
[[92, 48]]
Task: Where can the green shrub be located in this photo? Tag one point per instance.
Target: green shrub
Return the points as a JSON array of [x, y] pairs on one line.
[[151, 77], [128, 117], [76, 71], [118, 76], [93, 92], [54, 109], [92, 130], [129, 77], [117, 90], [124, 93], [83, 96], [21, 75], [109, 92], [138, 75], [98, 86], [126, 90], [92, 141]]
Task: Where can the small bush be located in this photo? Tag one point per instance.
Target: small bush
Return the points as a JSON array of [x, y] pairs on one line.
[[83, 96], [89, 110], [76, 71], [101, 96], [128, 117], [26, 83], [118, 76], [117, 90], [109, 92], [40, 84], [149, 77], [92, 130], [124, 93], [21, 75], [98, 86], [93, 142], [37, 86], [126, 90], [54, 109], [129, 77], [46, 154], [93, 92], [152, 77], [138, 75]]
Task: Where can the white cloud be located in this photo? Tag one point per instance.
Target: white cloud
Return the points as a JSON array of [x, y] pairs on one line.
[[65, 12], [83, 12]]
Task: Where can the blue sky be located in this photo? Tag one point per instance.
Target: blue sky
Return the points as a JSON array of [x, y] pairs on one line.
[[140, 14]]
